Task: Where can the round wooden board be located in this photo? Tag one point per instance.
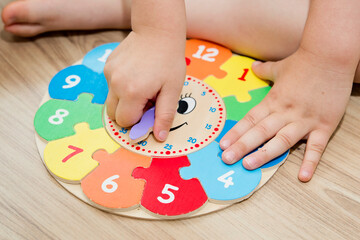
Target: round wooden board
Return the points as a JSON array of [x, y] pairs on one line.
[[140, 212]]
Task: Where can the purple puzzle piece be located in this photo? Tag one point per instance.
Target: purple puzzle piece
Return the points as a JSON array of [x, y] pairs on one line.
[[144, 127]]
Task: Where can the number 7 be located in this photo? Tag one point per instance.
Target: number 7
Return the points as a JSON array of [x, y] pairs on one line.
[[76, 151]]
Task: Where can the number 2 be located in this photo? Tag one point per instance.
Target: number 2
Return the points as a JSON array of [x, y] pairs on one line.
[[209, 56], [167, 192]]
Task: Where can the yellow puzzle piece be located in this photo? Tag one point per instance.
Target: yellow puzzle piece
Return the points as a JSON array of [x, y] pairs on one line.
[[239, 80], [70, 159]]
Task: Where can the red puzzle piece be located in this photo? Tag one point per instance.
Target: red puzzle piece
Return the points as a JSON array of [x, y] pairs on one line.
[[110, 184], [166, 193], [205, 58]]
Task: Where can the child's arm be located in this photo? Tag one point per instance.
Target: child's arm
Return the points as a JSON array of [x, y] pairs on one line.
[[149, 65], [310, 93]]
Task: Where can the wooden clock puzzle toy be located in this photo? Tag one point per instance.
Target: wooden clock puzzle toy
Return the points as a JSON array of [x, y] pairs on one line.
[[126, 171]]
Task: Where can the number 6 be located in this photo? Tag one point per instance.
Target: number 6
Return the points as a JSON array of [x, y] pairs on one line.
[[167, 192], [110, 182]]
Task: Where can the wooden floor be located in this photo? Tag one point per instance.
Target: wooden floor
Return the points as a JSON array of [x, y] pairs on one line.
[[34, 206]]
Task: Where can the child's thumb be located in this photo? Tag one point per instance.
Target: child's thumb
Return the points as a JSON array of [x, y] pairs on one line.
[[264, 70]]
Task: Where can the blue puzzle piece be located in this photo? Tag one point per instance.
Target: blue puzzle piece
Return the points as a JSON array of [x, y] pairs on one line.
[[220, 181], [70, 82], [228, 125], [96, 58]]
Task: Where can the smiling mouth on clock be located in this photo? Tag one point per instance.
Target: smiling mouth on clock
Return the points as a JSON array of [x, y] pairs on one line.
[[179, 126]]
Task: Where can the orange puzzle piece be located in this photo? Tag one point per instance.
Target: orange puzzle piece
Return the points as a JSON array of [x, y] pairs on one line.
[[111, 185], [205, 58]]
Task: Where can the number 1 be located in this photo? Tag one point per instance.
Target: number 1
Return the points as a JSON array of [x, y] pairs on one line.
[[242, 78], [104, 57]]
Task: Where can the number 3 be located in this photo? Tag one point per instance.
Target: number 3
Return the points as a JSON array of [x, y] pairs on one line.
[[167, 192]]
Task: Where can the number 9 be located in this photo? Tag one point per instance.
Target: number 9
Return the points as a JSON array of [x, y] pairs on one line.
[[72, 81]]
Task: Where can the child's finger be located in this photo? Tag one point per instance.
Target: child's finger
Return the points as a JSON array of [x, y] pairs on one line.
[[315, 147], [111, 104], [250, 120], [284, 139], [253, 138], [129, 111], [264, 70], [165, 108]]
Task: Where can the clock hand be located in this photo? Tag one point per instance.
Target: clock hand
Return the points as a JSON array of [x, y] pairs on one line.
[[142, 129]]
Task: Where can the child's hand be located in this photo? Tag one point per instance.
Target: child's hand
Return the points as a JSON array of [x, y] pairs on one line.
[[143, 68], [307, 101]]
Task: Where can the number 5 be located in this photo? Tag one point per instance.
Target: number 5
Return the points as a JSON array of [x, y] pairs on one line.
[[167, 192]]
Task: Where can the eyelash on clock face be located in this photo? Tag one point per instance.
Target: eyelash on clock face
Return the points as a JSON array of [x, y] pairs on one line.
[[186, 104], [185, 96]]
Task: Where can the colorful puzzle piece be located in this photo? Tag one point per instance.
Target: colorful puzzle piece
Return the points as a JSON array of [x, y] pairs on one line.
[[111, 184], [165, 192], [70, 82], [205, 58], [141, 130], [229, 124], [70, 158], [237, 110], [234, 83], [96, 58], [55, 118], [221, 182]]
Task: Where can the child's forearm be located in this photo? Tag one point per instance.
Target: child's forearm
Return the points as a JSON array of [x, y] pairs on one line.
[[160, 17], [332, 33]]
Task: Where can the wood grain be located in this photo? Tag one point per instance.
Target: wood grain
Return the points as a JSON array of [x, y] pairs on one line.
[[34, 206]]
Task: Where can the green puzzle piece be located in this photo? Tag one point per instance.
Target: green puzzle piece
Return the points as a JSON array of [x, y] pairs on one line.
[[236, 110], [55, 119]]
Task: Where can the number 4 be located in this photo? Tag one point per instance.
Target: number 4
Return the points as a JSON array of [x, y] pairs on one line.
[[227, 179]]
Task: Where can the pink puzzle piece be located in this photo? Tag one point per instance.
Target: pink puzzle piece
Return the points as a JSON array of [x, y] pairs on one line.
[[166, 193]]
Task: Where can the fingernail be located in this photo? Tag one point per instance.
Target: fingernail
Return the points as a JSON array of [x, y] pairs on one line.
[[225, 144], [229, 156], [250, 161], [163, 135], [305, 175], [254, 64]]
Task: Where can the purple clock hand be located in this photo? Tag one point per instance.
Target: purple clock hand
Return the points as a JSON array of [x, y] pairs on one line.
[[142, 129]]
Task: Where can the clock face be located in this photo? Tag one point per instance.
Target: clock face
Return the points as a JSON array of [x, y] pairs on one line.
[[199, 119]]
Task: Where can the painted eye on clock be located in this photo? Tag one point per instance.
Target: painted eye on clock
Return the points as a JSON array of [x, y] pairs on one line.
[[186, 105]]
